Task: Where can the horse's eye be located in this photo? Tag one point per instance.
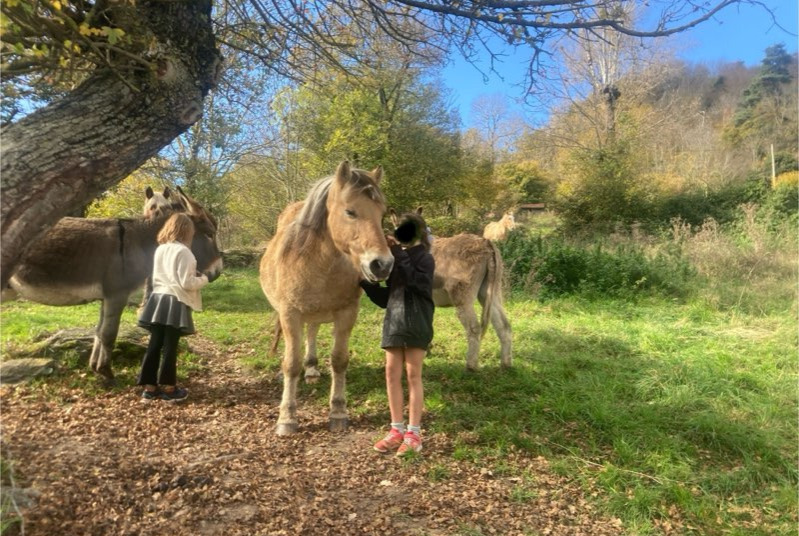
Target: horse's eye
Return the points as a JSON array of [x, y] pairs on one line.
[[350, 213]]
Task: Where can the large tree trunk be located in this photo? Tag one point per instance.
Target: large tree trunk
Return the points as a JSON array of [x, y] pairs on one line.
[[62, 156]]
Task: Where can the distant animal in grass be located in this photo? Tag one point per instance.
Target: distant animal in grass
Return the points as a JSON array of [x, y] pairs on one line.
[[498, 230]]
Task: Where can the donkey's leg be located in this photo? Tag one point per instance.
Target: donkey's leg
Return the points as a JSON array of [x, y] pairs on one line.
[[471, 324], [502, 326], [292, 366], [105, 334], [339, 360], [312, 374]]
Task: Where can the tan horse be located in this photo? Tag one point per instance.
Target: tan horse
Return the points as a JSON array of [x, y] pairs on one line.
[[310, 271], [469, 268], [498, 230]]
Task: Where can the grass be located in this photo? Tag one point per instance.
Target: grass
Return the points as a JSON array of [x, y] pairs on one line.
[[672, 411]]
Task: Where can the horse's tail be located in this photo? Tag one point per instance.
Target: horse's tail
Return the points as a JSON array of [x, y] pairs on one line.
[[493, 283], [276, 333]]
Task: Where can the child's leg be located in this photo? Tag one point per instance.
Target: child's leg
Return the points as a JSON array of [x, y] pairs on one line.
[[168, 375], [396, 400], [414, 357], [149, 365]]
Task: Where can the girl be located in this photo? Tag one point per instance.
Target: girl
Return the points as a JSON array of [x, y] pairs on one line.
[[167, 313], [407, 329]]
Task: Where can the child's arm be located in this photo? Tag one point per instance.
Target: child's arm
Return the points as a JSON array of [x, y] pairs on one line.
[[186, 270], [376, 293]]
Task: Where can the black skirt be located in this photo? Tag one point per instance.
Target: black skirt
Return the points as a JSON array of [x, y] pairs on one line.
[[167, 310]]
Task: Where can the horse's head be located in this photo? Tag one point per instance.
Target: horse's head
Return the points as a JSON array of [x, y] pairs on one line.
[[203, 245], [355, 209], [156, 204]]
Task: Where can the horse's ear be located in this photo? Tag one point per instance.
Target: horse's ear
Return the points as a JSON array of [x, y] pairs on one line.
[[419, 211], [343, 172], [377, 174], [394, 217], [148, 192]]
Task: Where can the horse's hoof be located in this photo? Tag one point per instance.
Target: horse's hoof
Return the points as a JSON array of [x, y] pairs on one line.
[[286, 428], [339, 424]]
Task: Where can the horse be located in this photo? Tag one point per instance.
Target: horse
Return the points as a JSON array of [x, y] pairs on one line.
[[80, 260], [469, 268], [322, 248], [498, 230]]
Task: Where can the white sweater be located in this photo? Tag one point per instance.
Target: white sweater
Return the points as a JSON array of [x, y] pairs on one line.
[[174, 272]]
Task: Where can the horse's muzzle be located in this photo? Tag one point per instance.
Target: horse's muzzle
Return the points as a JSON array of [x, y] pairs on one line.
[[380, 268]]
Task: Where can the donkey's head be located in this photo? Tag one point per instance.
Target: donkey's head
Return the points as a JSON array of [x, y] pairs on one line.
[[355, 209], [203, 245], [156, 204]]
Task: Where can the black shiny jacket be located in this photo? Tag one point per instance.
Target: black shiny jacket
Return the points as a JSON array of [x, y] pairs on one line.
[[408, 299]]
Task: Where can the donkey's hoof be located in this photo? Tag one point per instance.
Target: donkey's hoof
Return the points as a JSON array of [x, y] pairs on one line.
[[311, 379], [339, 424], [286, 428]]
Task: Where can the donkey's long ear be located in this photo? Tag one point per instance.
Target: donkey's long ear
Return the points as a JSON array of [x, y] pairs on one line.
[[167, 192], [189, 204], [377, 174], [148, 192], [343, 173], [392, 214], [419, 211]]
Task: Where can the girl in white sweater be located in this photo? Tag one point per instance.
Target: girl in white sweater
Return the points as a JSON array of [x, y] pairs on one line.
[[167, 313]]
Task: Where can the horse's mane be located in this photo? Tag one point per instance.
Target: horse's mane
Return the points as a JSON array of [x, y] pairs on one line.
[[311, 221]]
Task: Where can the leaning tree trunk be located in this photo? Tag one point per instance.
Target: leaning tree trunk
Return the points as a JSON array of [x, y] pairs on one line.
[[62, 156]]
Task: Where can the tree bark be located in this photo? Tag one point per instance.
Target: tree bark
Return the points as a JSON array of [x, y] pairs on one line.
[[62, 156]]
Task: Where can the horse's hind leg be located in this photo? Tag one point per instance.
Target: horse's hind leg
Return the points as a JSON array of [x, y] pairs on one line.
[[502, 326], [339, 361], [105, 335], [471, 324], [312, 373]]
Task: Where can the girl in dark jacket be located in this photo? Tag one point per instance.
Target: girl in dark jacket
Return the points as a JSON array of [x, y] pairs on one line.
[[407, 329]]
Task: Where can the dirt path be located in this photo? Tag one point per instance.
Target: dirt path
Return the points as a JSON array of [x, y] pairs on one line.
[[111, 465]]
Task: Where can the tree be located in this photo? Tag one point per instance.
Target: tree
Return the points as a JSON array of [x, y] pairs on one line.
[[149, 64]]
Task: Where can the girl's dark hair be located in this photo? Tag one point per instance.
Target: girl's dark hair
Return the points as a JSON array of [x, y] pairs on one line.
[[412, 227]]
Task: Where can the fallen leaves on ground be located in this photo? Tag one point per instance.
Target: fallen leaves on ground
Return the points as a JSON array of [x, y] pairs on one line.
[[112, 465]]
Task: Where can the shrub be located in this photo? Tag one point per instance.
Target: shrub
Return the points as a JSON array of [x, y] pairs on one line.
[[554, 266], [450, 225]]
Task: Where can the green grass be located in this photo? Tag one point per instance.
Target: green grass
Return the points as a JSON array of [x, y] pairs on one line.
[[666, 408]]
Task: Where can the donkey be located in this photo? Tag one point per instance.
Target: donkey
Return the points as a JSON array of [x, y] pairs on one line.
[[80, 260], [498, 230], [310, 271], [469, 268]]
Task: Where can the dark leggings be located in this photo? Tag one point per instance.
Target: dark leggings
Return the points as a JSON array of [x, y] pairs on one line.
[[161, 338]]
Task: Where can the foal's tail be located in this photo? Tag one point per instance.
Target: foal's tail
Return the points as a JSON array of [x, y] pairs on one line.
[[493, 283], [276, 333]]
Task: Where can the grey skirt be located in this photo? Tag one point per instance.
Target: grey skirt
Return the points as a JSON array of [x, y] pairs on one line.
[[166, 310]]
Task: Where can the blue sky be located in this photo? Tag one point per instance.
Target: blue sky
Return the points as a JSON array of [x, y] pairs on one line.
[[738, 33]]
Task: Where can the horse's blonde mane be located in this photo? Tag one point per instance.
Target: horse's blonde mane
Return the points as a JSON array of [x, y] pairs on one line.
[[311, 221]]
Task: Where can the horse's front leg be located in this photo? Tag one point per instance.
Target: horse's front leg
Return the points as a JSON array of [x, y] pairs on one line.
[[105, 335], [312, 373], [291, 366], [340, 358]]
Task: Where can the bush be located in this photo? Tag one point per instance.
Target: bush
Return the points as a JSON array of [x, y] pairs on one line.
[[450, 225], [553, 266]]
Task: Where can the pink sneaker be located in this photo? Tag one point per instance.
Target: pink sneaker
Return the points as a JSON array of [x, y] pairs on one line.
[[392, 440], [410, 443]]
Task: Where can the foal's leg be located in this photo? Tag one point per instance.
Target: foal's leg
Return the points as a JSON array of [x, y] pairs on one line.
[[105, 334], [312, 374], [292, 366], [471, 324], [339, 360]]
